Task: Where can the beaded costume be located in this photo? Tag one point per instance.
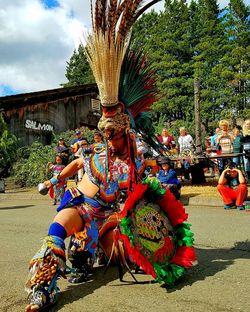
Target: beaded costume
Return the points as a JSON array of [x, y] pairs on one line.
[[153, 233]]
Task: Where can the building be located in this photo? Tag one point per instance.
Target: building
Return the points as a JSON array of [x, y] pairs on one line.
[[34, 116]]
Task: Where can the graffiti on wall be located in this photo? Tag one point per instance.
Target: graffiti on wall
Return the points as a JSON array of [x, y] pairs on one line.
[[35, 125]]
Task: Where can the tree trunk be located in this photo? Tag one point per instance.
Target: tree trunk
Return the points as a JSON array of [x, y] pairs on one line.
[[197, 113]]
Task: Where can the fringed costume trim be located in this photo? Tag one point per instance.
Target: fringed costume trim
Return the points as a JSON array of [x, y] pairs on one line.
[[166, 257]]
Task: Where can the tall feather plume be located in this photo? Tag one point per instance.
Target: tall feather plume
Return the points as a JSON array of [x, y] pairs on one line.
[[108, 42], [137, 88]]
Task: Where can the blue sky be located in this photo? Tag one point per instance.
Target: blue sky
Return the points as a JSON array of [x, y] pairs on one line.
[[51, 3], [38, 37]]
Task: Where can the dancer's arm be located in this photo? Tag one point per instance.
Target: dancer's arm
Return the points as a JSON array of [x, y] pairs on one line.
[[68, 171]]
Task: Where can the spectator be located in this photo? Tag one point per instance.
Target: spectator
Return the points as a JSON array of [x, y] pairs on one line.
[[185, 140], [246, 146], [232, 187], [186, 144], [237, 148], [225, 141], [63, 150], [58, 190], [214, 140], [167, 176], [225, 138], [74, 143], [141, 147], [80, 154], [98, 137], [166, 139]]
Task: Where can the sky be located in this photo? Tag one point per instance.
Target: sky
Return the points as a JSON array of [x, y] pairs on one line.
[[38, 37]]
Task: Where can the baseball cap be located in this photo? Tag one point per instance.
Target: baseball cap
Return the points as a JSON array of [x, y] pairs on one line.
[[78, 132]]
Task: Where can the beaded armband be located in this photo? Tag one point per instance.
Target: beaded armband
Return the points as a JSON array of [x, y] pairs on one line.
[[54, 180]]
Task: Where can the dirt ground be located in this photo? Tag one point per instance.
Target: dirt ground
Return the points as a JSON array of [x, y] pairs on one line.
[[219, 283]]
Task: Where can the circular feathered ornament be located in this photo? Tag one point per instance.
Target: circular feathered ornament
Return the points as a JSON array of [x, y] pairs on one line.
[[155, 234]]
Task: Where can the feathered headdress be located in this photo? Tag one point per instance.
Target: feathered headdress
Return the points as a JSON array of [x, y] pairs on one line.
[[112, 21]]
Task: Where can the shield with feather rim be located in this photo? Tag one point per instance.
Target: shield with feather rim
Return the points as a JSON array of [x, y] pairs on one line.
[[155, 234]]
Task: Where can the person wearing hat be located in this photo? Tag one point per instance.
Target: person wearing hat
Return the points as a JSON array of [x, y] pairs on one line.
[[77, 138], [62, 150], [75, 142], [232, 187], [167, 176]]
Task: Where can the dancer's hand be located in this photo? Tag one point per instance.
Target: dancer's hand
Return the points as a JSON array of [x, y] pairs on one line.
[[48, 184]]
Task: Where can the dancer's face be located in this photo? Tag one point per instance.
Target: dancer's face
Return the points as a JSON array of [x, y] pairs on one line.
[[113, 122]]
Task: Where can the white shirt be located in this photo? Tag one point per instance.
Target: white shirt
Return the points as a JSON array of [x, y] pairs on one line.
[[185, 142]]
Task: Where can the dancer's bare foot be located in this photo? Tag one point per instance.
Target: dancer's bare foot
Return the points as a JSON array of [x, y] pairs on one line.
[[31, 308]]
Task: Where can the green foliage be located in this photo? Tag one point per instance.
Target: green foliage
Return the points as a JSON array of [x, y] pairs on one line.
[[78, 70], [187, 41], [195, 40], [8, 147], [31, 165], [30, 169]]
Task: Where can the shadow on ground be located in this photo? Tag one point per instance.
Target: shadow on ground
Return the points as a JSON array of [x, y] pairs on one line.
[[211, 261], [16, 207]]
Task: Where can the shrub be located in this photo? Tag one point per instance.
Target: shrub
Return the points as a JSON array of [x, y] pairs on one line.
[[31, 165], [8, 147]]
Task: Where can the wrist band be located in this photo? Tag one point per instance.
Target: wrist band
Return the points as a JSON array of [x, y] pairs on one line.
[[54, 181], [58, 177]]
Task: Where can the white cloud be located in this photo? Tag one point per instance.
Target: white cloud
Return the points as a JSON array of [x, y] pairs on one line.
[[36, 43]]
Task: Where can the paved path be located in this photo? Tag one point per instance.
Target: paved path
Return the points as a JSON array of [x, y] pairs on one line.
[[220, 282]]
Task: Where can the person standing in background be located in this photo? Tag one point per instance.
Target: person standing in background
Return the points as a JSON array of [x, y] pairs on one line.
[[237, 148], [245, 141], [75, 142], [186, 143], [166, 139], [80, 154], [225, 141], [185, 140], [57, 192], [214, 140], [62, 150]]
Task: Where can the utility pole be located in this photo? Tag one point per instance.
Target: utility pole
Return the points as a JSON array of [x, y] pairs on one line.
[[197, 113]]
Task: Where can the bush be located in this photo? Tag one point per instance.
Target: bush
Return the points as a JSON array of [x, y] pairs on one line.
[[31, 169], [31, 166], [8, 148]]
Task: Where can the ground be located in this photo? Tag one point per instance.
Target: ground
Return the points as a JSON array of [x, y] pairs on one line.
[[219, 283]]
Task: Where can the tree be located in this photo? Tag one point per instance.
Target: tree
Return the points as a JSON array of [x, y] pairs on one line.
[[78, 70], [234, 68], [8, 147], [166, 44]]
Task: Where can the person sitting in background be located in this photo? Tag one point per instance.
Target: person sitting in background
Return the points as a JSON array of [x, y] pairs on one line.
[[232, 187], [237, 148], [166, 139], [167, 176]]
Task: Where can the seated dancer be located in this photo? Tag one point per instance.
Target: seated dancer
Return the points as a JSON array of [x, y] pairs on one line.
[[232, 187], [111, 168], [167, 176]]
